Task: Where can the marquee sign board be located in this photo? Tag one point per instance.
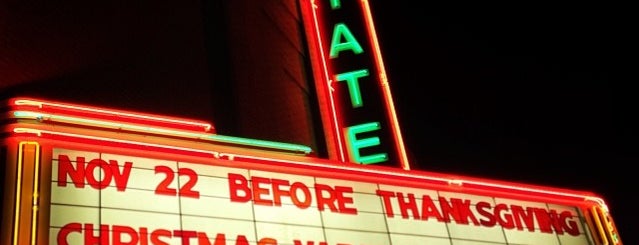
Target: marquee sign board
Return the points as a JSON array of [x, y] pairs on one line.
[[123, 199], [76, 175]]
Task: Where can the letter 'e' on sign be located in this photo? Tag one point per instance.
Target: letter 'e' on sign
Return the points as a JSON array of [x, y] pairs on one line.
[[354, 96]]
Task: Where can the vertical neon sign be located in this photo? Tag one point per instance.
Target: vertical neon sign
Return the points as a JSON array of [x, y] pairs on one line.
[[353, 92]]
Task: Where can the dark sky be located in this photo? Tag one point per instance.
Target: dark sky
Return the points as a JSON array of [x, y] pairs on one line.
[[534, 94]]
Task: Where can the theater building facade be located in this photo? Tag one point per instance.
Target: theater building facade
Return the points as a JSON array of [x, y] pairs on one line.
[[235, 122]]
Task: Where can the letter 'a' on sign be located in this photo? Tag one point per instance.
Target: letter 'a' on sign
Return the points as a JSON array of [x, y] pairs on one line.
[[341, 31], [351, 84]]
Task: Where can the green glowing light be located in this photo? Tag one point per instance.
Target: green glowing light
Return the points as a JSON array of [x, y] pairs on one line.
[[356, 144], [341, 30]]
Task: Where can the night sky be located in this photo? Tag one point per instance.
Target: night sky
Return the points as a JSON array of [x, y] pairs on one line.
[[532, 94]]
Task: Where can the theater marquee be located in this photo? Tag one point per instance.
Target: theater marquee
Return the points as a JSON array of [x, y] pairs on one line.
[[124, 199], [80, 175]]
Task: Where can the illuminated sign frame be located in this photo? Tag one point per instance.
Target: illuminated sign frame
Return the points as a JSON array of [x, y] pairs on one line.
[[45, 144], [267, 182]]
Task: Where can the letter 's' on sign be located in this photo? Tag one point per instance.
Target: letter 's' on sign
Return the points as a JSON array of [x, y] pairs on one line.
[[355, 101]]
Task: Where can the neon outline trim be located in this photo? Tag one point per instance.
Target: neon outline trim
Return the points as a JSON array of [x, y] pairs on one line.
[[207, 127], [36, 193], [210, 137], [599, 224], [443, 180], [39, 133], [16, 221], [392, 115], [336, 127], [350, 168]]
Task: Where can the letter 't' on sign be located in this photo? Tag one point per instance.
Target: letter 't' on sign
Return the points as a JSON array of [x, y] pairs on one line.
[[355, 101]]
